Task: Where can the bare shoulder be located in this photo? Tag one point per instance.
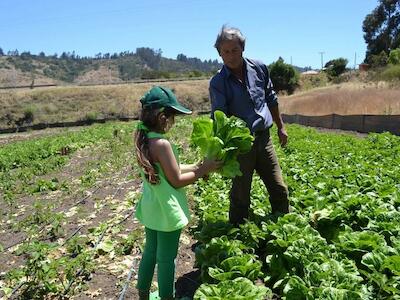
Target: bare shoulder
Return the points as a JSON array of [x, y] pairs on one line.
[[159, 147]]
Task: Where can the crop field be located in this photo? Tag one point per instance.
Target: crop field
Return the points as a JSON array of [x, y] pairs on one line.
[[67, 228]]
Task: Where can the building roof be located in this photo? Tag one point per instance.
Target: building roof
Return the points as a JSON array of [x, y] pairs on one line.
[[310, 72]]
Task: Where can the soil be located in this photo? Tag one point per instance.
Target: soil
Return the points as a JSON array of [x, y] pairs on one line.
[[84, 209]]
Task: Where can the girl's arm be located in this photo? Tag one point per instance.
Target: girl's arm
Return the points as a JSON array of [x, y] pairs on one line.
[[162, 153], [188, 168]]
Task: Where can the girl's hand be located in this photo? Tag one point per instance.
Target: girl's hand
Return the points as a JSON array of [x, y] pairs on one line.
[[211, 165]]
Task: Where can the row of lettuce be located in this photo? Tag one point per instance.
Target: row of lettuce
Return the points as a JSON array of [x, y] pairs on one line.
[[53, 259], [23, 162], [341, 241]]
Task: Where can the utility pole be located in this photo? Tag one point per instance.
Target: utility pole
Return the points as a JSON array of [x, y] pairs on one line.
[[322, 59], [355, 60], [291, 63], [109, 71]]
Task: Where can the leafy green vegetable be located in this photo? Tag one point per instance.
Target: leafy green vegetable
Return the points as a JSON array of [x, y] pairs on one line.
[[237, 289], [213, 253], [224, 139], [233, 267]]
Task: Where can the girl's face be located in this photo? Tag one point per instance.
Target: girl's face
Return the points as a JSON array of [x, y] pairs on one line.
[[168, 123]]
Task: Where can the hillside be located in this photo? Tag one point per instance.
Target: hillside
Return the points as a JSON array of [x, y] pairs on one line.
[[25, 107], [68, 68], [77, 103]]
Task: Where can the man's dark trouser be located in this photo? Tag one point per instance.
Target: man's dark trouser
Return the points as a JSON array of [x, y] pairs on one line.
[[263, 159]]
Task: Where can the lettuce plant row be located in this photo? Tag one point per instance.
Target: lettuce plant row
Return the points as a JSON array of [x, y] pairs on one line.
[[342, 240]]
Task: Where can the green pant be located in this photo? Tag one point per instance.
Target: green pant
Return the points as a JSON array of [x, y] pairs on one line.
[[161, 248]]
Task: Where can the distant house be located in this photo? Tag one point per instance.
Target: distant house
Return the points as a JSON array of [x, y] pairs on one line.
[[310, 72], [363, 67]]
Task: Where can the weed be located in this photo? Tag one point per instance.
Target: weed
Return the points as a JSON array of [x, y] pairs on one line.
[[134, 239]]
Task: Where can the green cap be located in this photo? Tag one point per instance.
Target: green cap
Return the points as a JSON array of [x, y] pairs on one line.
[[159, 97]]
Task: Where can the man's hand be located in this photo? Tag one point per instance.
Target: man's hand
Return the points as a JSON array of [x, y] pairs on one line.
[[283, 136]]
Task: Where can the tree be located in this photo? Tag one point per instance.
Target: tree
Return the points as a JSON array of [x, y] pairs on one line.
[[382, 28], [25, 55], [1, 52], [394, 57], [151, 57], [181, 57], [284, 77], [379, 60], [335, 67], [64, 55], [13, 53], [128, 70]]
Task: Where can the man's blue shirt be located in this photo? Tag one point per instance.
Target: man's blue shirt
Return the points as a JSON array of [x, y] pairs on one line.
[[249, 100]]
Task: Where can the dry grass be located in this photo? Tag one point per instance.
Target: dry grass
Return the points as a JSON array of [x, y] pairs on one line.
[[345, 99], [73, 103], [60, 104]]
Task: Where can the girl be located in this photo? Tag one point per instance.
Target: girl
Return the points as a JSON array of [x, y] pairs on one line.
[[163, 208]]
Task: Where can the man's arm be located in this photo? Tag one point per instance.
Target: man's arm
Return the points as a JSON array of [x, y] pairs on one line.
[[272, 101], [276, 116]]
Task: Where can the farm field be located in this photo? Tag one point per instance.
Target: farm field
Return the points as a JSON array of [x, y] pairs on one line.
[[67, 230]]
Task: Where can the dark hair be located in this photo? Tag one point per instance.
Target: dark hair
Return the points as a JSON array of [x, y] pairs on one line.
[[149, 117]]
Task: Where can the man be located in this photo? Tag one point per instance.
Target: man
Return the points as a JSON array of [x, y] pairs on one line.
[[243, 88]]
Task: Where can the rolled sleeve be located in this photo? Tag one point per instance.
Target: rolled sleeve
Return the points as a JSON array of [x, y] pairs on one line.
[[270, 96]]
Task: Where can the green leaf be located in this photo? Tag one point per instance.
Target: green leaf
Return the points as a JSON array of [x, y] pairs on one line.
[[237, 289], [295, 289], [237, 266], [392, 263], [105, 247], [223, 139], [373, 260]]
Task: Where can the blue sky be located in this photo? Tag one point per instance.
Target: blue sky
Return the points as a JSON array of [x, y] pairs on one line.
[[295, 30]]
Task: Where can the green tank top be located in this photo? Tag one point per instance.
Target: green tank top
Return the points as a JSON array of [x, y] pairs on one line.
[[161, 206]]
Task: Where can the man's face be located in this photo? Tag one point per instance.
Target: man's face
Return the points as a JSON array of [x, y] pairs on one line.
[[231, 53]]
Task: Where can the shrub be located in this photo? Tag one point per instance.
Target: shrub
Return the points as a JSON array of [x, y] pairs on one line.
[[335, 67], [284, 76], [378, 60], [29, 112], [394, 57], [308, 82], [391, 73], [91, 117]]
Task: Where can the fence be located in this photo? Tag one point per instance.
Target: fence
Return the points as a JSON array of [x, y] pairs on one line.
[[360, 123]]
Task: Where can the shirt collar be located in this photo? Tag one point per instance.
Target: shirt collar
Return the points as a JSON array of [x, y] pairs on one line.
[[229, 72]]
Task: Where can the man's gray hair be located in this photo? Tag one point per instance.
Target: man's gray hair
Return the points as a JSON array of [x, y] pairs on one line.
[[229, 34]]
